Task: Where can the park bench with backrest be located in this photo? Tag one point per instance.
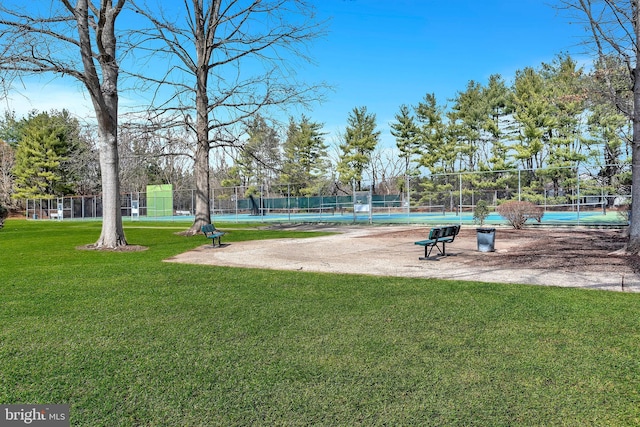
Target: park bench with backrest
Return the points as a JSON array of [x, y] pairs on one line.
[[211, 232], [438, 238]]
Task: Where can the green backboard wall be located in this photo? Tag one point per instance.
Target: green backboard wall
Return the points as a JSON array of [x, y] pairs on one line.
[[160, 200]]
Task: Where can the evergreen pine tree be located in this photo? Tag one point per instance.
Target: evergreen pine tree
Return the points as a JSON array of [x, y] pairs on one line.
[[305, 160], [43, 149], [360, 140]]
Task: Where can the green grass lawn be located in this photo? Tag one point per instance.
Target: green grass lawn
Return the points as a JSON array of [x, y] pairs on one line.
[[127, 340]]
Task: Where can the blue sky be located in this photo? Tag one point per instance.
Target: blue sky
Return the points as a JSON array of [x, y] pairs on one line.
[[382, 54]]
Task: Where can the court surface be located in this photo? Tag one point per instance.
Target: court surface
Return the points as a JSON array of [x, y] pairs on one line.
[[591, 217]]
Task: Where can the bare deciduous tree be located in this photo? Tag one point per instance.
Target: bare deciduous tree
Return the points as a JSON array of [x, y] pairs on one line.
[[6, 177], [77, 40], [228, 60], [614, 30], [152, 154], [387, 172]]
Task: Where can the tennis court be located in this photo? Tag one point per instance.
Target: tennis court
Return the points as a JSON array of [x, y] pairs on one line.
[[585, 217]]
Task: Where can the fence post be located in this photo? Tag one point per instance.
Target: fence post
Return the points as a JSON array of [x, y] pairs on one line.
[[353, 200], [289, 201], [235, 189], [578, 190], [460, 191], [370, 204], [408, 201]]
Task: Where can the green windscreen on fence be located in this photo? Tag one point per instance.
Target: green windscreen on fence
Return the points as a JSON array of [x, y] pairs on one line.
[[160, 200]]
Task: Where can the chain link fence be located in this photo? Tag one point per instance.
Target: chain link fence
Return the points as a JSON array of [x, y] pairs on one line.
[[453, 195]]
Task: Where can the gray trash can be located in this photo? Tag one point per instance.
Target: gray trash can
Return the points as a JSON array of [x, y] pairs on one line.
[[486, 239]]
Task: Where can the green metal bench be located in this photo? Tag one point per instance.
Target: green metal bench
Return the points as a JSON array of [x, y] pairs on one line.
[[211, 232], [438, 238]]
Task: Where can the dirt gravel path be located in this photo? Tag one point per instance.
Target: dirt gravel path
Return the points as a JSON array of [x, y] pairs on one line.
[[572, 257]]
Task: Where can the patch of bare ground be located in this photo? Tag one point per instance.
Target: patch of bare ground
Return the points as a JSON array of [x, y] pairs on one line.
[[566, 249], [567, 257], [125, 248]]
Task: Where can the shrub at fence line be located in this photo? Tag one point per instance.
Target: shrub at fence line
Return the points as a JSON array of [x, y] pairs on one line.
[[517, 213]]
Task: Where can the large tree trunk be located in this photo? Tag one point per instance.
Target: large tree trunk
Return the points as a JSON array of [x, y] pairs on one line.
[[201, 169], [203, 204], [104, 96], [634, 226], [203, 44], [633, 245], [112, 235]]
